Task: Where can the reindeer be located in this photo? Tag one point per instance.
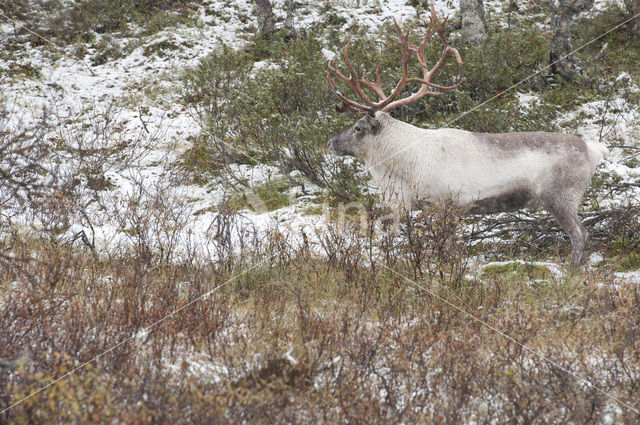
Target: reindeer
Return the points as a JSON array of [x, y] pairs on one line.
[[485, 173]]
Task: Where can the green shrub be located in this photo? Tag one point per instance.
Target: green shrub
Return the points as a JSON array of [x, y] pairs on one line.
[[209, 91], [283, 115], [623, 53], [505, 58]]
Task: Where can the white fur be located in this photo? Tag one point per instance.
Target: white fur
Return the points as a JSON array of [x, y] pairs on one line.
[[598, 150], [407, 162]]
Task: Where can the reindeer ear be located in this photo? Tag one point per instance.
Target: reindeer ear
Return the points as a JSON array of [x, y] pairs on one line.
[[371, 113]]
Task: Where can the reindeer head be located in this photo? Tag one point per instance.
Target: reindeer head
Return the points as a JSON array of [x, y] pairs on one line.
[[353, 140]]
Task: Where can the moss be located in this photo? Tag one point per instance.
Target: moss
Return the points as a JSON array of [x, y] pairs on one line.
[[160, 48], [531, 271], [312, 210], [155, 91], [269, 196], [624, 251], [629, 262], [24, 70], [274, 193]]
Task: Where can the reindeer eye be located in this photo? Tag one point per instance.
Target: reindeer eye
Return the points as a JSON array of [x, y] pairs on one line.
[[357, 129]]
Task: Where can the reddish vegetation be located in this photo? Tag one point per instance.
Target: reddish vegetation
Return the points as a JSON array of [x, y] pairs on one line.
[[306, 339]]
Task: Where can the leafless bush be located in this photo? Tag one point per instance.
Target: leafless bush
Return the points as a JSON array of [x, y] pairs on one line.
[[152, 220], [55, 172], [434, 243], [529, 233], [235, 239], [22, 155], [343, 245]]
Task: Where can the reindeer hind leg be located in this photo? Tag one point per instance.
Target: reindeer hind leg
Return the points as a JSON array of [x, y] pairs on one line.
[[567, 216]]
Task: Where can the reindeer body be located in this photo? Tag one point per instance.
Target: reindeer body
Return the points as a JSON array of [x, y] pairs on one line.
[[487, 173], [495, 172]]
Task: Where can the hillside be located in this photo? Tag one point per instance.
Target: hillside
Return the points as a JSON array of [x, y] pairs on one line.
[[178, 245]]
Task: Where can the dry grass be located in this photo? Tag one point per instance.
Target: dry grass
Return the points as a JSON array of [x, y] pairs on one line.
[[310, 338]]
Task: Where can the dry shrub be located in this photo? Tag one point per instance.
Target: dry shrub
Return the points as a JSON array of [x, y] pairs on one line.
[[433, 241], [306, 337], [427, 244], [54, 176]]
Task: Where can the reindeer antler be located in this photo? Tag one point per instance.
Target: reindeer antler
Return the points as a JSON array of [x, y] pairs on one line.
[[389, 102]]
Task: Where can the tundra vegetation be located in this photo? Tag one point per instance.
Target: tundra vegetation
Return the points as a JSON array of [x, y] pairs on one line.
[[347, 321]]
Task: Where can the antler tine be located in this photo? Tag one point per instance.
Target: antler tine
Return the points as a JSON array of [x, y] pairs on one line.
[[352, 81], [376, 87], [347, 104], [404, 45], [406, 54], [456, 55], [438, 25], [421, 49], [440, 28], [408, 50]]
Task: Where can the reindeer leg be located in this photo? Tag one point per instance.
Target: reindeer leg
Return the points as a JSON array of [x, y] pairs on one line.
[[567, 215]]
